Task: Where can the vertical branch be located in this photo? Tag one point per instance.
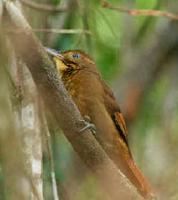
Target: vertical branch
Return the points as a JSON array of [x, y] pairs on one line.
[[50, 152], [26, 116], [13, 160], [30, 124]]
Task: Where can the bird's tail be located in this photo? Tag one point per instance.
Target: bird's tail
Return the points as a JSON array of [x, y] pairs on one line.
[[136, 177], [123, 158]]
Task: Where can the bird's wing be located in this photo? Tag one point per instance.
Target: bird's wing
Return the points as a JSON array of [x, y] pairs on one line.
[[119, 122], [130, 169], [115, 112]]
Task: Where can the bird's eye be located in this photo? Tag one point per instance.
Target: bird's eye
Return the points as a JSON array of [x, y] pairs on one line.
[[76, 55]]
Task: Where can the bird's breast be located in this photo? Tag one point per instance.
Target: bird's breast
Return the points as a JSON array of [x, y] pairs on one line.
[[84, 88]]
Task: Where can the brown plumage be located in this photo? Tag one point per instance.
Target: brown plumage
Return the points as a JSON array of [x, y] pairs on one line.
[[96, 100]]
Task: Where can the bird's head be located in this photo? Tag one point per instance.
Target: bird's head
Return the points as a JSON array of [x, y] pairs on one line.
[[69, 62]]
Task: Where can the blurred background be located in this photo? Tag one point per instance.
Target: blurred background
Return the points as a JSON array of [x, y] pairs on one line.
[[137, 57]]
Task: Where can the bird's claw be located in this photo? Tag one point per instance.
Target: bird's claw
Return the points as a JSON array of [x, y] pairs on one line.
[[88, 125]]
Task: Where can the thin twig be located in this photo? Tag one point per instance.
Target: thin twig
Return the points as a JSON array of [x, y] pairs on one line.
[[55, 31], [137, 12], [44, 7], [63, 31]]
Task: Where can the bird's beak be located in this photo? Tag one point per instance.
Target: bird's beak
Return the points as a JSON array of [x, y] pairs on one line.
[[54, 53], [58, 59]]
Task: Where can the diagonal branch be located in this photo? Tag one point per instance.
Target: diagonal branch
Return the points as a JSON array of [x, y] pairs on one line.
[[64, 111], [138, 12]]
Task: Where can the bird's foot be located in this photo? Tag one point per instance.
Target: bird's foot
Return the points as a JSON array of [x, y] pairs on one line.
[[88, 125]]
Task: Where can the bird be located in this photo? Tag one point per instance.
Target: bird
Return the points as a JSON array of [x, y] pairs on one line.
[[96, 102]]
